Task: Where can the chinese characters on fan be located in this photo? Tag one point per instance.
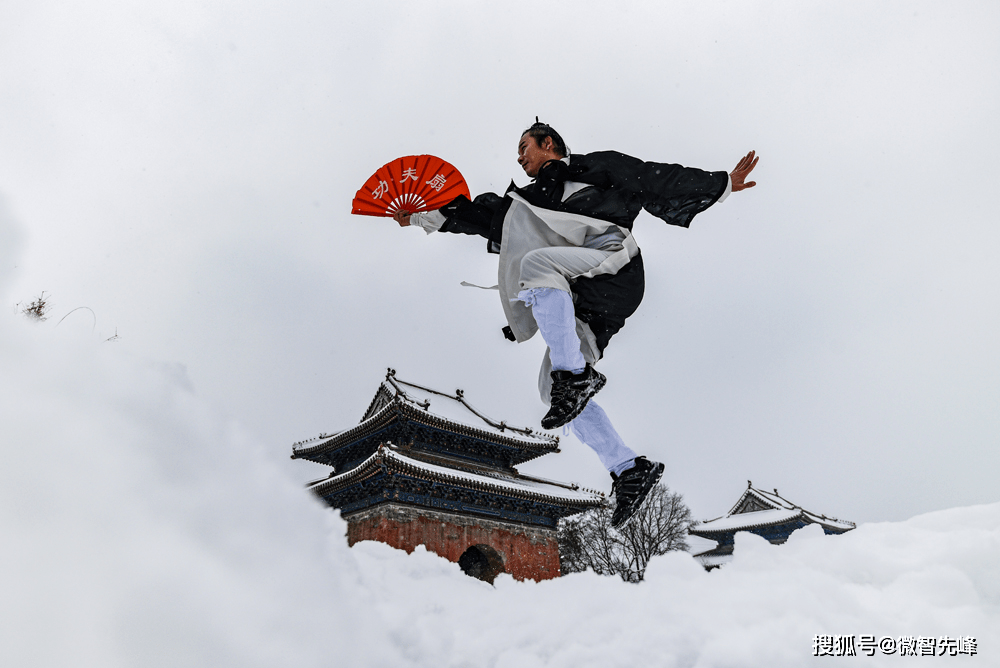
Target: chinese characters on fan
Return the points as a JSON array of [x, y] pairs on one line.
[[844, 645], [437, 183]]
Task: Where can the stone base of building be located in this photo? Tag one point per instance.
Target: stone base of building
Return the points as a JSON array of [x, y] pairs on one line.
[[481, 546]]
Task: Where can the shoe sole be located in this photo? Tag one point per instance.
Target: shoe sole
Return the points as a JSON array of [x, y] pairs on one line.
[[601, 382], [660, 468]]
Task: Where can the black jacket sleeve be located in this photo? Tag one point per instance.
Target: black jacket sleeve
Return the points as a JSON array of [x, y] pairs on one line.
[[672, 193], [482, 216]]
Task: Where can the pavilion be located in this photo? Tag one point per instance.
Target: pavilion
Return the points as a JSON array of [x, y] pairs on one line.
[[414, 472], [763, 513]]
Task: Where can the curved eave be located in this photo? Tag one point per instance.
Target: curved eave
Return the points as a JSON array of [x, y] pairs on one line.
[[383, 418], [384, 460], [706, 553], [808, 518], [391, 412], [831, 523], [708, 533], [710, 560]]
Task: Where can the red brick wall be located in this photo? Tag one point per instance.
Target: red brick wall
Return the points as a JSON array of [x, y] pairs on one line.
[[528, 553]]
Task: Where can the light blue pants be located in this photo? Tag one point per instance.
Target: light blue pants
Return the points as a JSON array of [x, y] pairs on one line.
[[594, 429], [556, 318]]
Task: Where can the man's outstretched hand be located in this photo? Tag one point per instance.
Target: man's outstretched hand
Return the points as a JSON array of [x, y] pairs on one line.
[[402, 217], [743, 169]]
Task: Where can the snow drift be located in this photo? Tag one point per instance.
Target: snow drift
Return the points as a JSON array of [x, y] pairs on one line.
[[143, 529]]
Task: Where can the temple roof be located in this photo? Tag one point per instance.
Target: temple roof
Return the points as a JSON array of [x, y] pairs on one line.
[[757, 508], [398, 400], [390, 458]]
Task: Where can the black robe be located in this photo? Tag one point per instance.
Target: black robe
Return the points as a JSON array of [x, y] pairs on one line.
[[620, 186]]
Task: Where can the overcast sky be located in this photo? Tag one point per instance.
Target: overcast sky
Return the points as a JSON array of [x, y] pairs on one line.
[[186, 170]]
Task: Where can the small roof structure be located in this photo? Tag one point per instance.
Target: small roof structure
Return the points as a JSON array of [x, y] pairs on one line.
[[766, 514], [757, 509]]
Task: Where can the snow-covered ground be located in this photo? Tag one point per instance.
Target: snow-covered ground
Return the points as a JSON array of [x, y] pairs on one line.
[[141, 529]]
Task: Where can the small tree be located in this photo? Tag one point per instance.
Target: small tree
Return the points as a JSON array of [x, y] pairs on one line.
[[589, 541]]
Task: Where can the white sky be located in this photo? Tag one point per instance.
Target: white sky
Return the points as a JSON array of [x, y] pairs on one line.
[[186, 169]]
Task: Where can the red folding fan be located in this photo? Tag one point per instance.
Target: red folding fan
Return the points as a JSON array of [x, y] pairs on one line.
[[413, 183]]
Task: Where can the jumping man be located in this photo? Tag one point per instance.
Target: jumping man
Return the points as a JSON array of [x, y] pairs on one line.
[[570, 269]]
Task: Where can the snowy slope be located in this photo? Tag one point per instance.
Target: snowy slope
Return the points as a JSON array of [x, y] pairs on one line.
[[142, 529]]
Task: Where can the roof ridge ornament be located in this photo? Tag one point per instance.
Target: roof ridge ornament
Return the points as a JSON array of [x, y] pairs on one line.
[[459, 396]]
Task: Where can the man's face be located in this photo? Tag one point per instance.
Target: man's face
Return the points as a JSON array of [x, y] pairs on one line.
[[531, 156]]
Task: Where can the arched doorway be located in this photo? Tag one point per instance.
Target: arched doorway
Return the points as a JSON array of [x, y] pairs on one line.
[[481, 562]]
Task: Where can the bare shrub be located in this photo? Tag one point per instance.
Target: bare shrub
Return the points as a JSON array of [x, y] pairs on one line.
[[588, 540], [37, 310]]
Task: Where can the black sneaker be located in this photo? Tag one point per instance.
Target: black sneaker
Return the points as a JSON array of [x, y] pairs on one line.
[[632, 488], [570, 394]]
